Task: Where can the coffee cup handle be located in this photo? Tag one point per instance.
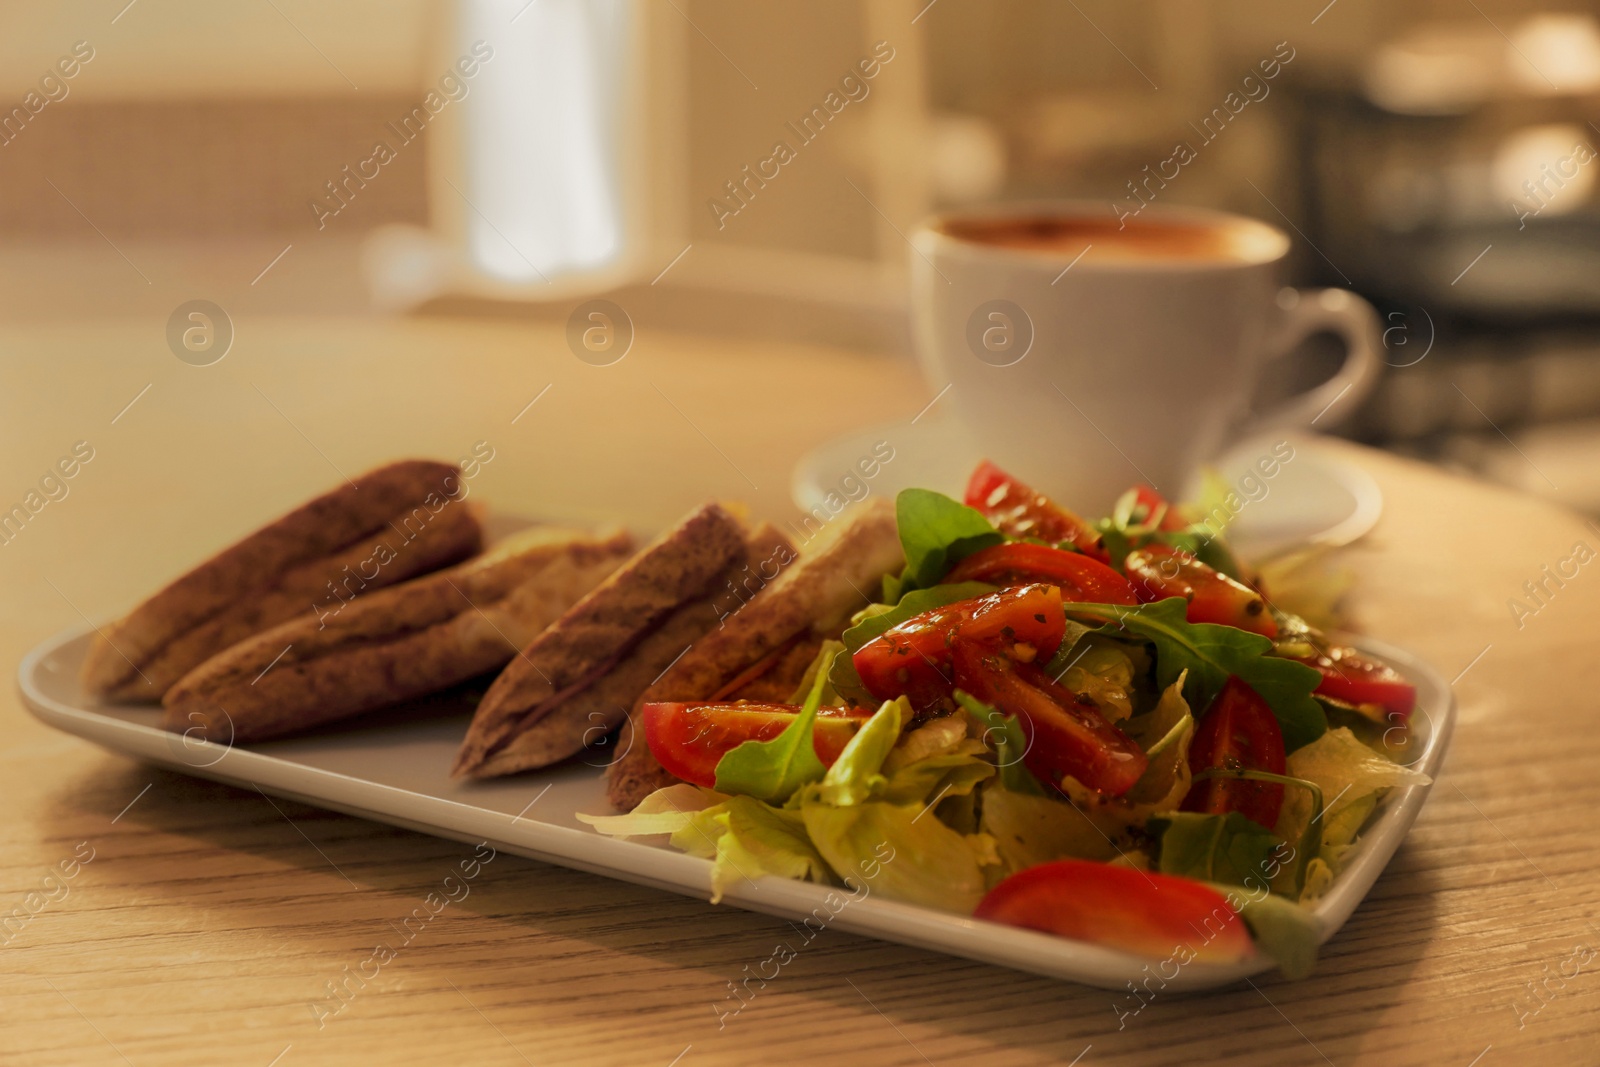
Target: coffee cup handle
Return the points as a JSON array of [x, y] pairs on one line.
[[1337, 311]]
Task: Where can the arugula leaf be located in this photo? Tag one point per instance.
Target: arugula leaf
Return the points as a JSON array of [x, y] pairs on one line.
[[1123, 532], [773, 770], [1068, 652], [1310, 843], [1210, 550], [936, 534], [847, 685], [1010, 745], [1217, 848], [1210, 653], [914, 602], [1115, 540]]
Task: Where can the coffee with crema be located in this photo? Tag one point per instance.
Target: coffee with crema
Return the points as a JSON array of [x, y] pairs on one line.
[[1084, 372], [1107, 239]]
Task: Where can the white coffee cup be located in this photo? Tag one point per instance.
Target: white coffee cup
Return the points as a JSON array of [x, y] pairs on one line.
[[1083, 356]]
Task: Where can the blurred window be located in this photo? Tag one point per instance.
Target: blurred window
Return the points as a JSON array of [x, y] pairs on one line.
[[542, 145]]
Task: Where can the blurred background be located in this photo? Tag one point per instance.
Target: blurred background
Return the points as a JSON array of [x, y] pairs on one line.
[[508, 160]]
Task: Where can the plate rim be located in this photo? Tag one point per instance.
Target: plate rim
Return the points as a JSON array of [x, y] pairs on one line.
[[661, 867]]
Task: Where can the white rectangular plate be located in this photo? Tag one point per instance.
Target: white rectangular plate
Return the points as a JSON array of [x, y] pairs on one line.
[[393, 766]]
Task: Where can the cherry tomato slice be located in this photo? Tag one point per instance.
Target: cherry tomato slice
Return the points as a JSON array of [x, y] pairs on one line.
[[1018, 511], [1148, 914], [913, 659], [1152, 502], [1159, 571], [1081, 579], [1065, 735], [689, 739], [1237, 732], [1349, 676]]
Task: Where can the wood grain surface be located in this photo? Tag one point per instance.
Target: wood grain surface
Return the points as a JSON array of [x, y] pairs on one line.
[[173, 921]]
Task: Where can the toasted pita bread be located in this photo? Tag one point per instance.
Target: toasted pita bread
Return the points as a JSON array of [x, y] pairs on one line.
[[395, 523], [394, 645], [811, 598], [586, 718]]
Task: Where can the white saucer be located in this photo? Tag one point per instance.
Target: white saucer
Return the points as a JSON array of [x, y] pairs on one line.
[[1314, 498]]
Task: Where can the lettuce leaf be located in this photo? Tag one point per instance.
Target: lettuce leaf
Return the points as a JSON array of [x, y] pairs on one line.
[[774, 770], [855, 776], [926, 862], [665, 811], [743, 838], [1029, 830], [1282, 929], [759, 839], [1351, 776], [935, 761], [1165, 734], [1096, 667], [938, 778], [871, 818], [1210, 653], [936, 534]]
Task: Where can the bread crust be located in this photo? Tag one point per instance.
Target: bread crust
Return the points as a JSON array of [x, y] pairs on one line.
[[815, 595], [398, 521], [397, 644]]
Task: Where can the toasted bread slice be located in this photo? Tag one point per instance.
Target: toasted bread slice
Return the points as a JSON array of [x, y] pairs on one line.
[[404, 642], [397, 522], [815, 595], [603, 627], [563, 727]]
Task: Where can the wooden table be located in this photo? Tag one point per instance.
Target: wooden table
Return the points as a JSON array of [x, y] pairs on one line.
[[209, 919]]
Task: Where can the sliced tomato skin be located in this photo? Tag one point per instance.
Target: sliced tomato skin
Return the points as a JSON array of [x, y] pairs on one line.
[[1349, 676], [1020, 511], [1237, 732], [688, 740], [914, 658], [1065, 735], [1148, 914], [1080, 577], [1153, 502], [1158, 571]]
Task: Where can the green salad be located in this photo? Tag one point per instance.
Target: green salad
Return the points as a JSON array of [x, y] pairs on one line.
[[1103, 731]]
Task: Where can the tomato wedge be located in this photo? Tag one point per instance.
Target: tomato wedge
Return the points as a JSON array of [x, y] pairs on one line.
[[1146, 497], [1158, 571], [913, 659], [1080, 578], [1237, 732], [1349, 676], [1066, 734], [1019, 511], [689, 739], [1144, 913]]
